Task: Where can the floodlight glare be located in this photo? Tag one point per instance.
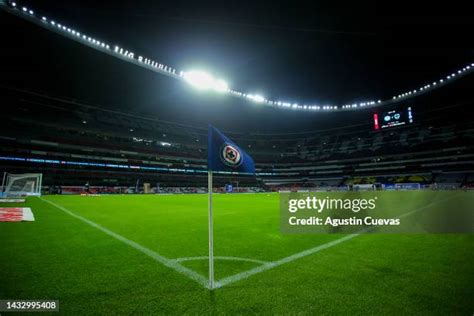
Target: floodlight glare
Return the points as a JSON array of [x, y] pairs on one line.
[[220, 85], [258, 98], [199, 79], [205, 81]]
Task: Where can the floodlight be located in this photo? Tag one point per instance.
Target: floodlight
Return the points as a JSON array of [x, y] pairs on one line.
[[221, 86], [258, 98], [205, 81], [199, 79]]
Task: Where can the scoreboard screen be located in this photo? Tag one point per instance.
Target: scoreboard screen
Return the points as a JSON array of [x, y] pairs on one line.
[[393, 118]]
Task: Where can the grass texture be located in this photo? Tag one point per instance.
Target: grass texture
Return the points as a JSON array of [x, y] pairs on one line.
[[61, 257]]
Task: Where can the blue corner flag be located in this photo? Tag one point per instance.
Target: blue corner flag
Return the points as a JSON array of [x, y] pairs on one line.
[[224, 155]]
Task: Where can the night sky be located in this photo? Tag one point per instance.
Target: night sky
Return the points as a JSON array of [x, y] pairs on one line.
[[324, 53]]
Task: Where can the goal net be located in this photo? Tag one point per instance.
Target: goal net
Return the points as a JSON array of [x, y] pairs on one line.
[[27, 184]]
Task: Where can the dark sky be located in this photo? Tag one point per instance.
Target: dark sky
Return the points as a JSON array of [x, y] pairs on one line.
[[305, 52]]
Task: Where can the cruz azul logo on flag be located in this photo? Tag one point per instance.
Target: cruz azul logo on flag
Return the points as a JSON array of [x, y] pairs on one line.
[[224, 155], [231, 156]]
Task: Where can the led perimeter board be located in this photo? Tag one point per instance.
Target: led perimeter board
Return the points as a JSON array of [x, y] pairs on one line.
[[393, 118]]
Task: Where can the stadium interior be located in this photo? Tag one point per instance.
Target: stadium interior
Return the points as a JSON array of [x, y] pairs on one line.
[[345, 132], [75, 142], [117, 148]]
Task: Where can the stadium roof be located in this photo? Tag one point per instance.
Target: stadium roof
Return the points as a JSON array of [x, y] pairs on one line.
[[314, 54]]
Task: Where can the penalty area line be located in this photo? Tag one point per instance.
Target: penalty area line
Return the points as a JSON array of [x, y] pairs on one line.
[[203, 281]]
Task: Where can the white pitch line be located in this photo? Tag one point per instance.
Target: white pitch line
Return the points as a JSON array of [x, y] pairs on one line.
[[221, 258], [173, 263], [152, 254], [270, 265]]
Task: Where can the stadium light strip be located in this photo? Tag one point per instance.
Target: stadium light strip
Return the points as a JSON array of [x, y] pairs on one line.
[[205, 81], [122, 166]]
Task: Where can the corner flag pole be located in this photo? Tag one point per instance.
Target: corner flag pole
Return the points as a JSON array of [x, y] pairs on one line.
[[211, 233]]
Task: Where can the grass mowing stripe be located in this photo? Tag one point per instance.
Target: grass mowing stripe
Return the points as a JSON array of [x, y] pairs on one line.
[[156, 256], [270, 265]]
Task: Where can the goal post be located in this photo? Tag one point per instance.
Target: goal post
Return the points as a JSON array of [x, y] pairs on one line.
[[26, 184]]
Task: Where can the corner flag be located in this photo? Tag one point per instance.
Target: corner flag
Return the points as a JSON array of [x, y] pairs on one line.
[[222, 155]]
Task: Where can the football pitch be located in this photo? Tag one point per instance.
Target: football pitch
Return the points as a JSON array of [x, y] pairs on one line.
[[147, 254]]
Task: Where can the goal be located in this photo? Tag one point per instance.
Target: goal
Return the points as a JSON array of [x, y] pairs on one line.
[[26, 184]]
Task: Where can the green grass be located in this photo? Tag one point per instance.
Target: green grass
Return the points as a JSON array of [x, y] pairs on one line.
[[61, 257]]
